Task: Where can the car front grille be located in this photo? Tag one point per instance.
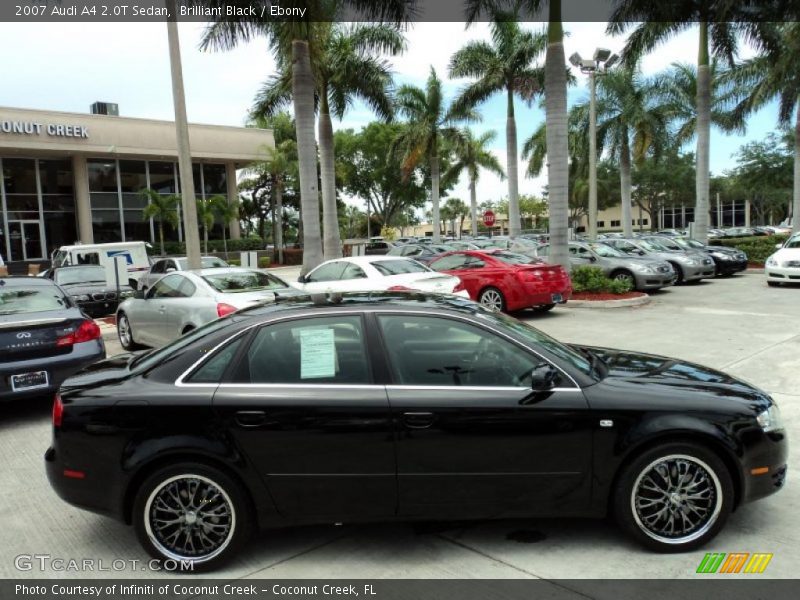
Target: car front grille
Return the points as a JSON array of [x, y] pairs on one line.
[[792, 264]]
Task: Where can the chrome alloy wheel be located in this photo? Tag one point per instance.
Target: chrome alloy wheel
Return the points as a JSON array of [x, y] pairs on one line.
[[124, 331], [189, 517], [492, 299], [676, 499]]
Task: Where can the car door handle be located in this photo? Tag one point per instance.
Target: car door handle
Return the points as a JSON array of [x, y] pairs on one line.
[[418, 420], [251, 418]]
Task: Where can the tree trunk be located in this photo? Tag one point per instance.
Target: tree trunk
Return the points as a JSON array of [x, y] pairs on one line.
[[224, 241], [703, 138], [437, 225], [556, 123], [332, 243], [512, 165], [473, 205], [205, 239], [796, 191], [279, 218], [625, 185], [161, 235], [303, 97], [275, 231]]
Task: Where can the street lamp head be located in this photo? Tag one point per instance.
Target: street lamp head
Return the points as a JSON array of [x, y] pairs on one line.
[[588, 65], [575, 59], [601, 54], [612, 61]]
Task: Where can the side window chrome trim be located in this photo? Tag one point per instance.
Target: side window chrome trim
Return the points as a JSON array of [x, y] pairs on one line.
[[477, 388]]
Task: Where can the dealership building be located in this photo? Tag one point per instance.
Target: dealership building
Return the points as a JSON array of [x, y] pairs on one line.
[[71, 177]]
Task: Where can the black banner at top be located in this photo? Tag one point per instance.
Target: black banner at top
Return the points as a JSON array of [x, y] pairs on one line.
[[133, 11]]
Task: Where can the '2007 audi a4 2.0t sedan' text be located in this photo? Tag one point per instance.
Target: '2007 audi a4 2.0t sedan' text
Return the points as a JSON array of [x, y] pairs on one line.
[[377, 406]]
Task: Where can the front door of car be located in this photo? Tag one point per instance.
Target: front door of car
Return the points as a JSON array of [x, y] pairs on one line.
[[162, 303], [324, 278], [473, 438], [303, 407]]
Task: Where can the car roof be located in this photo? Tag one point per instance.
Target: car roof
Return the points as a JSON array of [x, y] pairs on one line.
[[222, 270], [22, 281], [364, 260]]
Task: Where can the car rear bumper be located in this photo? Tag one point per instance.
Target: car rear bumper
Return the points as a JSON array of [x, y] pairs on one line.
[[541, 294], [58, 369]]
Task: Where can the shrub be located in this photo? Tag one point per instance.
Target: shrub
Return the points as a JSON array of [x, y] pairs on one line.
[[592, 279], [757, 248]]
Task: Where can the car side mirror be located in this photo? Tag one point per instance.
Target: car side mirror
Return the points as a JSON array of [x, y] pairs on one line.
[[592, 259], [139, 294], [543, 377], [302, 279]]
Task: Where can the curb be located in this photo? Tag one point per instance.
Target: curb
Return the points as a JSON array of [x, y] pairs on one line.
[[641, 301]]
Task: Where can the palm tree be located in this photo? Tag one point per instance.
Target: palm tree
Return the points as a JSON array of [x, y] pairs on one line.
[[206, 218], [345, 67], [226, 212], [294, 43], [430, 125], [719, 25], [161, 208], [471, 155], [281, 161], [503, 66], [774, 74]]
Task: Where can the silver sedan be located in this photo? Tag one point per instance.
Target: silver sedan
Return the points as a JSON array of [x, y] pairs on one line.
[[185, 300]]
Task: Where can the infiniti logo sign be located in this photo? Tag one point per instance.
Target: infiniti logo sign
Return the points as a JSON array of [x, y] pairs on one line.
[[23, 335]]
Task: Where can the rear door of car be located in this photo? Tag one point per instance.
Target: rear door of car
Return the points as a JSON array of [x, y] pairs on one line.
[[304, 408], [473, 439]]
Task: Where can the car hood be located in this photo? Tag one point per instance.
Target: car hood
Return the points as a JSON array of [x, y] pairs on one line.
[[663, 374], [787, 254], [76, 289]]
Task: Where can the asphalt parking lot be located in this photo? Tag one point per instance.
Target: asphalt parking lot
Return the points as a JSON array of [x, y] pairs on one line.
[[738, 325]]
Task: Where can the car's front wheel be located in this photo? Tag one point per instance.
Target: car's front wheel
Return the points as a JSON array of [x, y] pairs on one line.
[[674, 497], [192, 512], [125, 333]]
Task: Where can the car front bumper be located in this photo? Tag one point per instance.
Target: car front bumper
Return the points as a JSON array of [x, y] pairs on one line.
[[697, 272], [58, 369], [764, 465], [783, 273], [728, 267], [653, 281]]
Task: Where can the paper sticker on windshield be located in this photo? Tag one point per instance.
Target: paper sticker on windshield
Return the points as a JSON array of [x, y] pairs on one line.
[[317, 353]]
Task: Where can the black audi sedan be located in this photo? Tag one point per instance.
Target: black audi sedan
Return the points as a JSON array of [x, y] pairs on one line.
[[389, 406], [44, 338]]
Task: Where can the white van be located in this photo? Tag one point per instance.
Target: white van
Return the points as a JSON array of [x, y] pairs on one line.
[[135, 254]]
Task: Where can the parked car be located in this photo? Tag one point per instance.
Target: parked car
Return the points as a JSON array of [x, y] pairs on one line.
[[169, 264], [423, 253], [87, 287], [504, 281], [44, 337], [462, 245], [377, 273], [687, 264], [694, 265], [642, 272], [377, 246], [134, 253], [727, 261], [377, 407], [784, 265], [518, 245], [182, 301], [736, 232], [405, 240], [671, 232]]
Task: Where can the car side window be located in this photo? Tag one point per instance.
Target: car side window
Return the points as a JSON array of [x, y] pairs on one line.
[[168, 287], [449, 263], [329, 272], [412, 251], [302, 351], [473, 262], [435, 351], [157, 267], [352, 271], [213, 369], [187, 288]]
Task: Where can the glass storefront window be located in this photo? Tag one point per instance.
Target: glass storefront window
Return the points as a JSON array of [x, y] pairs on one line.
[[106, 226], [131, 201], [162, 177], [102, 175], [214, 180], [19, 176], [104, 200], [132, 175], [22, 202], [60, 229], [137, 229], [56, 176]]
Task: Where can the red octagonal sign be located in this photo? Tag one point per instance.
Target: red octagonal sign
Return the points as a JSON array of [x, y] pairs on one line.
[[488, 218]]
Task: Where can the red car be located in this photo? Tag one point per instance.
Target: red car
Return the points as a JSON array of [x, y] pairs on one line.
[[502, 280]]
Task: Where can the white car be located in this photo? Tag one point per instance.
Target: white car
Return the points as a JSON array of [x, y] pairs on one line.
[[378, 273], [784, 265], [170, 264]]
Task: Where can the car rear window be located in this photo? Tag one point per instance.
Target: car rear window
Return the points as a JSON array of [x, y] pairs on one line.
[[248, 281], [511, 258], [398, 267], [31, 299]]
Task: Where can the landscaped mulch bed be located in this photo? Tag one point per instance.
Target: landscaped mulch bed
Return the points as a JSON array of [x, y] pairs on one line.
[[600, 297]]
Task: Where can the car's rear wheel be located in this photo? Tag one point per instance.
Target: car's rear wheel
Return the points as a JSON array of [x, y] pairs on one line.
[[493, 299], [125, 333], [674, 497], [192, 512]]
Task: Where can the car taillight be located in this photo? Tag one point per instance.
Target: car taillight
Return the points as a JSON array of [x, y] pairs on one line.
[[58, 411], [88, 330], [459, 287], [529, 275], [225, 309], [400, 288]]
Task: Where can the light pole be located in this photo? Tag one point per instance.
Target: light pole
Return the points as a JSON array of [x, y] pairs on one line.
[[598, 65]]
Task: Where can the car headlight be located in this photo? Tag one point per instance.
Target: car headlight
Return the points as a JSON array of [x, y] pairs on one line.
[[126, 294], [643, 268], [771, 262], [80, 297], [770, 419], [692, 262], [721, 255]]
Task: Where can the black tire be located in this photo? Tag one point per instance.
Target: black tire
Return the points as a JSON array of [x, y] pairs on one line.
[[218, 493], [646, 515], [125, 333], [773, 283], [678, 273], [187, 329], [543, 308], [133, 284], [624, 275], [493, 299]]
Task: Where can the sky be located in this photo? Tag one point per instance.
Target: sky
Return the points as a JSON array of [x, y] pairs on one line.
[[68, 66]]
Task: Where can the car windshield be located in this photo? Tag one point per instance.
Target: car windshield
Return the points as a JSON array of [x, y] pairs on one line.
[[208, 262], [649, 246], [657, 244], [399, 267], [793, 242], [511, 258], [244, 281], [688, 244], [30, 299], [525, 242], [72, 275], [606, 251], [442, 248], [536, 338], [669, 244]]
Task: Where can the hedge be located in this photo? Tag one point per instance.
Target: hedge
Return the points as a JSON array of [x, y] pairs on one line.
[[592, 279], [757, 248], [241, 245]]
